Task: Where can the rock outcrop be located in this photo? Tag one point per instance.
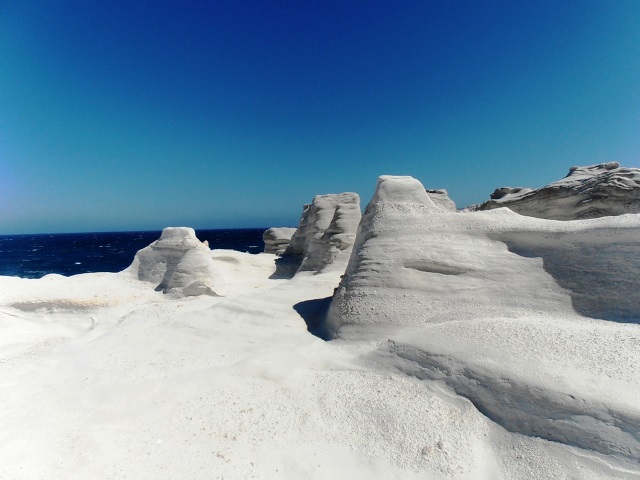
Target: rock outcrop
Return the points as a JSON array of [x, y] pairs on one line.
[[467, 260], [324, 237], [489, 304], [177, 263], [441, 198], [586, 192], [277, 239]]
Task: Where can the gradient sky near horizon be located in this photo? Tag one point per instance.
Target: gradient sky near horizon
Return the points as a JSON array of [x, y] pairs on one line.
[[136, 115]]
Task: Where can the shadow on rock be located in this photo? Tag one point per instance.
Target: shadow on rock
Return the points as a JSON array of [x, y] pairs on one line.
[[314, 313], [286, 267], [600, 274]]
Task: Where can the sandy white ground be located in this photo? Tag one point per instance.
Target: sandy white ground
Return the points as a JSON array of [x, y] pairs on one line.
[[103, 377]]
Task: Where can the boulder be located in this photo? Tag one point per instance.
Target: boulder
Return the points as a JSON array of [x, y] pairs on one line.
[[277, 239], [176, 263], [441, 198]]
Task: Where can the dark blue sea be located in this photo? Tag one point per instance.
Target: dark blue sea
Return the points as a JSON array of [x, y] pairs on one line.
[[32, 256]]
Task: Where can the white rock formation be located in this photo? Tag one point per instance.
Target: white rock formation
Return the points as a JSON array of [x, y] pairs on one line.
[[504, 310], [586, 192], [177, 263], [325, 235], [101, 377], [277, 239], [441, 198]]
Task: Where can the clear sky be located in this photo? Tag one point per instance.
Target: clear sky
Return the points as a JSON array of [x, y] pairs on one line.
[[136, 115]]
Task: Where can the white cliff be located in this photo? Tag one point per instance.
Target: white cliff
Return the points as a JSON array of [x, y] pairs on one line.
[[504, 310], [586, 192]]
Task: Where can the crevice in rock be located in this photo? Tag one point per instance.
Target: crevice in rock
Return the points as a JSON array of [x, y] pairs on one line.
[[430, 266]]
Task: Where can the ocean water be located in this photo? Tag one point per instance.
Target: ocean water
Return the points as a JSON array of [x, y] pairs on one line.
[[32, 256]]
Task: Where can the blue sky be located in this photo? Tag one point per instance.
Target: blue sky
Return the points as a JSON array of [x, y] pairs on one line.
[[126, 115]]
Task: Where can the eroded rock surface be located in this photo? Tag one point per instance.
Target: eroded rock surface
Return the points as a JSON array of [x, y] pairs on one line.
[[586, 192], [277, 239], [504, 310], [325, 235], [441, 198], [177, 263]]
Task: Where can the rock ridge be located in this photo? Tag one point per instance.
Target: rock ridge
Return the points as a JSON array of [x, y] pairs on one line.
[[593, 191]]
